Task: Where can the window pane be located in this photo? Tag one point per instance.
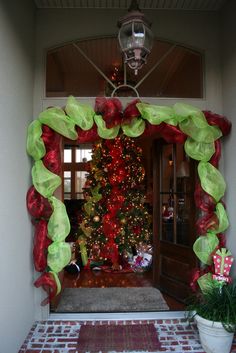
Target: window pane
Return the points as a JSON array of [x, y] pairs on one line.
[[67, 196], [167, 222], [80, 181], [67, 155], [67, 174], [67, 185], [80, 196], [180, 74], [83, 155]]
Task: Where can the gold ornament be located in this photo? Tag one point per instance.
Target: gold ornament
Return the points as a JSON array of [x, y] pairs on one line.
[[96, 218], [123, 220]]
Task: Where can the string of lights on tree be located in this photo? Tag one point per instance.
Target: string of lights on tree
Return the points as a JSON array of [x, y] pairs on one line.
[[115, 219]]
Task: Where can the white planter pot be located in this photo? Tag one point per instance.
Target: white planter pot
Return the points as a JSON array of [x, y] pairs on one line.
[[214, 338]]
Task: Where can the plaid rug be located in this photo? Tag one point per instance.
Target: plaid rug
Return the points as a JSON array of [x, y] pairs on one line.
[[118, 338]]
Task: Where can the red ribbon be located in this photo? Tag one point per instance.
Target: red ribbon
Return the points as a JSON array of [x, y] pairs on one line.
[[203, 200], [37, 205], [87, 135], [151, 129], [41, 243], [216, 156], [221, 121], [173, 134], [52, 161], [208, 222], [48, 283], [50, 138], [111, 111], [196, 274]]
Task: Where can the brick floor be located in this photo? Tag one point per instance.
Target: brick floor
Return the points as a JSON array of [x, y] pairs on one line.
[[175, 335]]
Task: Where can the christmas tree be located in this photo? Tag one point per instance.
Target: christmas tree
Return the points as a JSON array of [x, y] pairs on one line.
[[115, 219]]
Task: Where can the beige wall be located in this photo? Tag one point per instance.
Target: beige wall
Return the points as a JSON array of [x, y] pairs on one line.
[[16, 86]]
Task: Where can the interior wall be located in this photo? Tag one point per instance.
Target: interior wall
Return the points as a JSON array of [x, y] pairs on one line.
[[16, 101], [228, 53]]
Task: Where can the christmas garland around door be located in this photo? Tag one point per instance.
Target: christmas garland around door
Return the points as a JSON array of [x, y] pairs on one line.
[[200, 132]]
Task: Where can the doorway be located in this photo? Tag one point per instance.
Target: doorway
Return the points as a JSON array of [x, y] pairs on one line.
[[156, 155]]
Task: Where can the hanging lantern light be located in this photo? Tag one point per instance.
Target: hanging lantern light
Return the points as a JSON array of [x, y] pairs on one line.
[[135, 37]]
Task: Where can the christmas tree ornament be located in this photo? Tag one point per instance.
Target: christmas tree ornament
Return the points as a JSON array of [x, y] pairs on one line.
[[96, 218]]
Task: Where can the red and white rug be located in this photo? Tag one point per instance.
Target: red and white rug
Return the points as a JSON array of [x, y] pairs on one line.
[[118, 338]]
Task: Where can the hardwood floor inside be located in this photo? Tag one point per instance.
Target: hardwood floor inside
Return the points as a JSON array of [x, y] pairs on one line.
[[101, 279]]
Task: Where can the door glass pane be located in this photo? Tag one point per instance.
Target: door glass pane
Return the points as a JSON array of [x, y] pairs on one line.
[[80, 181], [67, 185], [67, 174], [183, 227], [67, 196], [67, 155], [167, 169], [167, 217]]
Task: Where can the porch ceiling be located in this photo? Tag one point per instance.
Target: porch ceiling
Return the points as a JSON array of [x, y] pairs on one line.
[[202, 5]]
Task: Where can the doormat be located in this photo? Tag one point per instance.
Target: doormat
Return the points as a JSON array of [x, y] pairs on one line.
[[118, 338], [114, 299]]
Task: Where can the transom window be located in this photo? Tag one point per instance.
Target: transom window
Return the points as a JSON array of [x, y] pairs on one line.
[[172, 70]]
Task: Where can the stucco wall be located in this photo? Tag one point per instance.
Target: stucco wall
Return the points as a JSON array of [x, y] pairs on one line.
[[16, 101], [228, 53]]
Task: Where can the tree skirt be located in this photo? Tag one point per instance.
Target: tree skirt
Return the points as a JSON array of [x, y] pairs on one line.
[[118, 338], [111, 300]]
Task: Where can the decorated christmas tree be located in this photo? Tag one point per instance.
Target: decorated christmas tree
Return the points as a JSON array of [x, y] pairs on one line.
[[115, 220]]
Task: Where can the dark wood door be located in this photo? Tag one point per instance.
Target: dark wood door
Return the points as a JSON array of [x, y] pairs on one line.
[[173, 219]]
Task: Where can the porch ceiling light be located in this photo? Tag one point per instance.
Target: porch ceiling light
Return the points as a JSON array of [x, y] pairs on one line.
[[135, 37]]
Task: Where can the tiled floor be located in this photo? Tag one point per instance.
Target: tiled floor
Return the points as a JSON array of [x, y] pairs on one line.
[[175, 335]]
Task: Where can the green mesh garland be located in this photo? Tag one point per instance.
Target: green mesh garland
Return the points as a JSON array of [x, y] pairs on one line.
[[199, 146], [81, 114], [58, 121], [45, 182], [35, 145], [211, 180], [58, 224]]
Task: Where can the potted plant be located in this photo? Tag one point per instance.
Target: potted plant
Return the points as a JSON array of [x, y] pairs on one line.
[[214, 310], [214, 305]]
